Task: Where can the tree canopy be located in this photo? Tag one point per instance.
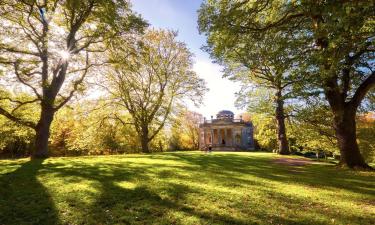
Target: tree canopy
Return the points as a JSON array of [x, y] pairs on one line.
[[47, 48], [335, 44], [150, 77]]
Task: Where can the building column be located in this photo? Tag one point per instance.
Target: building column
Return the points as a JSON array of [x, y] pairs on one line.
[[219, 136], [243, 138], [212, 137], [204, 137], [233, 138], [225, 136], [231, 133]]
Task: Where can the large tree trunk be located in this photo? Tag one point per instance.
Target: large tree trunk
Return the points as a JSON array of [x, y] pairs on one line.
[[345, 127], [144, 143], [144, 140], [281, 130], [43, 132]]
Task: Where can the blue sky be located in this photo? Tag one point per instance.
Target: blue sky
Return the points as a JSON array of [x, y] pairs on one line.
[[181, 15]]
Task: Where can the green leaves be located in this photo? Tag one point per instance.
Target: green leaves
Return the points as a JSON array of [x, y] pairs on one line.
[[302, 47], [150, 76]]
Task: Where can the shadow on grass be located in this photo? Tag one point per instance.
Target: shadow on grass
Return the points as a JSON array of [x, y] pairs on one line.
[[325, 176], [23, 199], [134, 192], [139, 204]]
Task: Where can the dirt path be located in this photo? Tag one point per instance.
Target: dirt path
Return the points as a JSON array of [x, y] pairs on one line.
[[293, 162]]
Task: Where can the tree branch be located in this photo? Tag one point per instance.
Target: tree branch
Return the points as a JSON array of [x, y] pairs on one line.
[[16, 119], [20, 103], [24, 82], [75, 84], [362, 90]]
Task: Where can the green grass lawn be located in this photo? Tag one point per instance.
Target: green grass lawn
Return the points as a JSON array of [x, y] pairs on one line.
[[182, 188]]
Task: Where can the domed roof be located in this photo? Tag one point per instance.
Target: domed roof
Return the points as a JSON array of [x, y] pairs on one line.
[[225, 112]]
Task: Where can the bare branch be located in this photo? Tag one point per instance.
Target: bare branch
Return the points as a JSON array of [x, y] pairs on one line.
[[16, 71]]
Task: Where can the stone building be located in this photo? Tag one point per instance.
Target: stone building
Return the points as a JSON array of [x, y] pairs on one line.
[[226, 133]]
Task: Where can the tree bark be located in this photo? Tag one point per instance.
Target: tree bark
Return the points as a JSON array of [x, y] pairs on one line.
[[43, 132], [345, 128], [144, 139], [281, 130]]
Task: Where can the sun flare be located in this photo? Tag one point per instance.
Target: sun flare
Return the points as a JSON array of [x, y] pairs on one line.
[[65, 54]]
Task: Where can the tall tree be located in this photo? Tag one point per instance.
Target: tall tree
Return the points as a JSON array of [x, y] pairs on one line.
[[311, 125], [338, 39], [263, 61], [190, 126], [150, 77], [185, 130], [46, 48]]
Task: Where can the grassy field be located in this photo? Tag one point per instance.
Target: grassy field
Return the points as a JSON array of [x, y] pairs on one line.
[[183, 188]]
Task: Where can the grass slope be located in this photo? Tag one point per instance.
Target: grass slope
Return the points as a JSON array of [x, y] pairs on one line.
[[182, 188]]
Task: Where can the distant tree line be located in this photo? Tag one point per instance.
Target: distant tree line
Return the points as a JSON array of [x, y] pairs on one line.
[[91, 128]]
